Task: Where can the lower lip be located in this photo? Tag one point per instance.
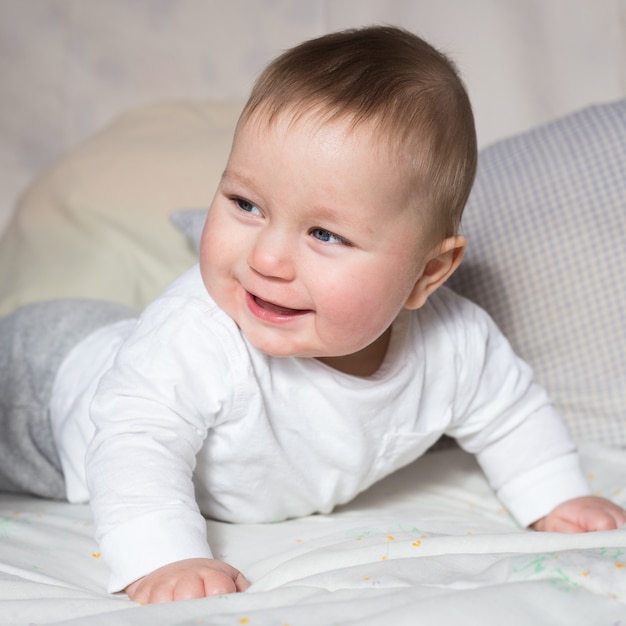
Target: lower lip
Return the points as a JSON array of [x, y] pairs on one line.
[[255, 305]]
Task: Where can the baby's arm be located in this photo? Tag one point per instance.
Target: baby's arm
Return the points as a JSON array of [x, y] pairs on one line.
[[185, 580], [582, 515]]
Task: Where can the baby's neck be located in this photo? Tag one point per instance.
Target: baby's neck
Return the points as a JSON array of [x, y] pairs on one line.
[[363, 363]]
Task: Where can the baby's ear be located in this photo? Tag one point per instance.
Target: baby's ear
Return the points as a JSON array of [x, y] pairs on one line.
[[439, 267]]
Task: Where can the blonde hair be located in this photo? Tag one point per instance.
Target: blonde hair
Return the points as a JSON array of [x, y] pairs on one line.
[[391, 77]]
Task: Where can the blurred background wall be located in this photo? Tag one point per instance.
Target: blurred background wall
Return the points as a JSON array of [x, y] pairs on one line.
[[67, 67]]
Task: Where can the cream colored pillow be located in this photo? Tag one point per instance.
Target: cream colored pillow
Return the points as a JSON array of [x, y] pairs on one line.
[[97, 223]]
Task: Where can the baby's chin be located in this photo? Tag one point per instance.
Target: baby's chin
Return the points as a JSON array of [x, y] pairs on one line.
[[283, 350], [286, 353], [357, 363]]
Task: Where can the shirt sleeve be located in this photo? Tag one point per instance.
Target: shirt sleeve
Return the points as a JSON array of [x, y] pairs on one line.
[[507, 420], [152, 412]]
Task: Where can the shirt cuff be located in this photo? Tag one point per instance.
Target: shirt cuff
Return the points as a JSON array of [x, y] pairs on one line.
[[142, 545], [536, 493]]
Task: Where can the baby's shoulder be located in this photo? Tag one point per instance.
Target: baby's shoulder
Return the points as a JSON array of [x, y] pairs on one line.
[[184, 302], [185, 323], [451, 311]]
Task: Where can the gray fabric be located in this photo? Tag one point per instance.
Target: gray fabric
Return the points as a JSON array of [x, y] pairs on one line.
[[34, 340]]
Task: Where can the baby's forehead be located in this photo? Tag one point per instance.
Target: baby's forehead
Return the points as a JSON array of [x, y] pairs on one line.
[[374, 136], [308, 119]]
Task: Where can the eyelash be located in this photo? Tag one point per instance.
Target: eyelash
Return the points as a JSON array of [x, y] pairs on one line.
[[240, 202], [328, 234], [248, 207]]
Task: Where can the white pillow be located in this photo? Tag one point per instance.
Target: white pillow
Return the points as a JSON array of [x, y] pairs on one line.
[[190, 222], [96, 224], [546, 224]]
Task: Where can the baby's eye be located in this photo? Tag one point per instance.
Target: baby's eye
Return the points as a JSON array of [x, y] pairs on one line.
[[327, 237], [248, 207]]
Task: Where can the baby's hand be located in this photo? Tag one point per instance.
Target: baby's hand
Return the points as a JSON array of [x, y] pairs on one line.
[[582, 515], [184, 580]]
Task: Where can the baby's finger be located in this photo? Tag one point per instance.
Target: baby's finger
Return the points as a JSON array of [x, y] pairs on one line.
[[558, 525], [241, 582], [597, 519], [218, 584], [189, 588]]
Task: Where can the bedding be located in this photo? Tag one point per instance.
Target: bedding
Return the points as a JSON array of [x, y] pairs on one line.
[[428, 545]]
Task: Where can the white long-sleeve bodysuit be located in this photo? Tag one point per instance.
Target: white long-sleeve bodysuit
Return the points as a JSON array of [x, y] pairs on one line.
[[190, 419]]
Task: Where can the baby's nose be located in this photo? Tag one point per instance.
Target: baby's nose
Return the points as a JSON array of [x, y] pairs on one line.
[[272, 255]]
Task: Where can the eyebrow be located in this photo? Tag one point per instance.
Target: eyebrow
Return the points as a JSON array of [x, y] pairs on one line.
[[324, 212], [242, 179]]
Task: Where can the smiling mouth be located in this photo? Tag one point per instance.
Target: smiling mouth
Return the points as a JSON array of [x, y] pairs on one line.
[[269, 310]]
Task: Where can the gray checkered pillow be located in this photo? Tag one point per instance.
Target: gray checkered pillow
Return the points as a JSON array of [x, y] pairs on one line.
[[546, 225]]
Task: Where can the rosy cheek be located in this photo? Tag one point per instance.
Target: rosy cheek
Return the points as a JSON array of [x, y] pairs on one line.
[[354, 317]]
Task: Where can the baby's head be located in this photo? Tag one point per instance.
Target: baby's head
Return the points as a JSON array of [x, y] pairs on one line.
[[396, 84], [342, 196]]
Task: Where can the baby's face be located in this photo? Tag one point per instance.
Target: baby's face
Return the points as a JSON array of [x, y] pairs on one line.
[[311, 244]]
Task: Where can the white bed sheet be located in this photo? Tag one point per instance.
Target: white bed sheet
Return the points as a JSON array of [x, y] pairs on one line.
[[429, 545]]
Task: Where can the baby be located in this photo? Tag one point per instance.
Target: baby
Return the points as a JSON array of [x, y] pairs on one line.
[[310, 353]]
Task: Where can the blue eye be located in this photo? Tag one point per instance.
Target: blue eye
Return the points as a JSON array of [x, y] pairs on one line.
[[248, 207], [326, 236]]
